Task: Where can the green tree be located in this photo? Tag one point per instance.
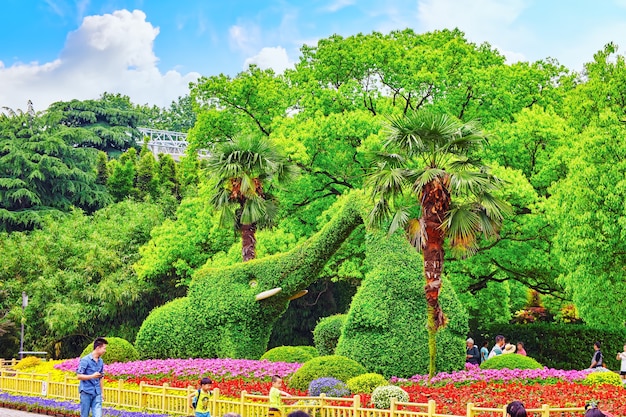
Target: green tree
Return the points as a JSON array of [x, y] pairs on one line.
[[41, 173], [245, 170], [427, 156]]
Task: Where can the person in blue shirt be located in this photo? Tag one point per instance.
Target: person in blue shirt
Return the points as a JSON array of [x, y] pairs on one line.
[[90, 372]]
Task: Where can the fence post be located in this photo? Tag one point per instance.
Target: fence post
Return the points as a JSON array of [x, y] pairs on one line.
[[432, 406], [65, 386], [356, 403], [141, 399], [120, 385], [545, 410], [470, 410], [216, 396], [242, 405], [392, 407], [164, 394]]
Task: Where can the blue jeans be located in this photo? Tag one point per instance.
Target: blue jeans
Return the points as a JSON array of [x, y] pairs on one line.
[[207, 414], [91, 402]]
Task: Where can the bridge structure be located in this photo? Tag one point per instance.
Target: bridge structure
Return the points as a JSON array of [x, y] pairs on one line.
[[168, 142]]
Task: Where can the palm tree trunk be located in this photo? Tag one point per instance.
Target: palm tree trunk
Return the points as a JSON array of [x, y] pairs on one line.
[[248, 241], [435, 204]]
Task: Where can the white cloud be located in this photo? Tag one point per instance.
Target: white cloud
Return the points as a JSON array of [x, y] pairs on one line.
[[271, 57], [107, 53], [244, 37], [337, 5]]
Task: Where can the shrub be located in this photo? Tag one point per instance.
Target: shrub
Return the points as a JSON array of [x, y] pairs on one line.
[[326, 333], [312, 350], [603, 376], [288, 354], [381, 397], [118, 350], [366, 383], [385, 327], [511, 361], [334, 366], [27, 362], [332, 387], [170, 332]]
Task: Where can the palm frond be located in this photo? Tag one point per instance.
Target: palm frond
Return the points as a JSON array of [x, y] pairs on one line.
[[420, 178], [461, 226], [399, 220]]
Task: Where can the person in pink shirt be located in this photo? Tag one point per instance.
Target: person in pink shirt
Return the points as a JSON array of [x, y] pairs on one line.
[[520, 349]]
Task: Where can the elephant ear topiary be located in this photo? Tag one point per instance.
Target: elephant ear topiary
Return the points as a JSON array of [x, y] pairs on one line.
[[385, 329], [118, 350]]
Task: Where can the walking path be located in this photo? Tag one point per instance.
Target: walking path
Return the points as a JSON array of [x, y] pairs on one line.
[[7, 412]]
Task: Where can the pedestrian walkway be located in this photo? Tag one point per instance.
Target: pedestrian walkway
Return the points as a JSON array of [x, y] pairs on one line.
[[8, 412]]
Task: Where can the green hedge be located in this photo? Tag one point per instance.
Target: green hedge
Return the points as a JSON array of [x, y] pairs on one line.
[[290, 354], [118, 350], [385, 329], [326, 333], [561, 346], [334, 366], [366, 383]]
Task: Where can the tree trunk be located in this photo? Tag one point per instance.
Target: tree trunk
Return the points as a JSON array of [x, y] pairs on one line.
[[248, 241], [435, 204]]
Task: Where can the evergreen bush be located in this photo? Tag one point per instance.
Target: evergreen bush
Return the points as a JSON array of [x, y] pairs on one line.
[[385, 329], [332, 387], [326, 333], [288, 354], [561, 346], [366, 383], [334, 366], [511, 361], [381, 397], [118, 350]]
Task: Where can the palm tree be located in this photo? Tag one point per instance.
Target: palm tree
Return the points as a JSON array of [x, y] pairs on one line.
[[426, 182], [245, 169]]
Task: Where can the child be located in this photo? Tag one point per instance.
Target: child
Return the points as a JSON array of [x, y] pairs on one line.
[[622, 370], [202, 406], [276, 402], [515, 409]]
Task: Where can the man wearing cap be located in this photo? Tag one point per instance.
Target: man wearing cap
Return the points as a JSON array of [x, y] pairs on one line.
[[473, 355]]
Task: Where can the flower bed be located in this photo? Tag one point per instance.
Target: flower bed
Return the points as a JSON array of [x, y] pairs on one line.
[[60, 408]]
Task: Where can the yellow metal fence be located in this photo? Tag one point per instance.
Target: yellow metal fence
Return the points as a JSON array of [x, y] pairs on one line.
[[174, 401]]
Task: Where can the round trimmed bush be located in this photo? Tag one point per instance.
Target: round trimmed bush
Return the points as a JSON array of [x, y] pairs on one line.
[[334, 366], [332, 387], [327, 332], [366, 383], [603, 376], [381, 397], [312, 350], [118, 350], [511, 361], [288, 354]]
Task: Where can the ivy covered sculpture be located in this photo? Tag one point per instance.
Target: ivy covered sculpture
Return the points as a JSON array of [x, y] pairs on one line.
[[221, 316]]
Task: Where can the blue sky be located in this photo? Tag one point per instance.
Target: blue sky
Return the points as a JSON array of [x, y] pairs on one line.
[[151, 49]]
